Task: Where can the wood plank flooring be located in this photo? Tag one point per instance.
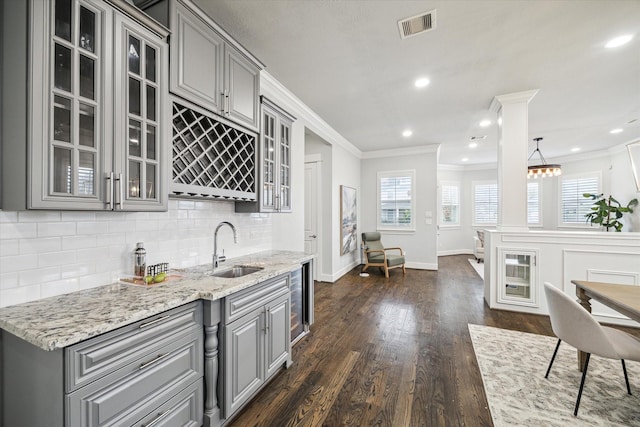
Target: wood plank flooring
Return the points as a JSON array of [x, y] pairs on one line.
[[389, 352]]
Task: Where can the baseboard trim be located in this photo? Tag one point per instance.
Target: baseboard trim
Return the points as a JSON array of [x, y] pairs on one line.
[[422, 265], [456, 252]]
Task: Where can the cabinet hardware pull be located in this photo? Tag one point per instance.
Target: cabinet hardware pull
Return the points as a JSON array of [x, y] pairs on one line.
[[150, 362], [109, 191], [228, 104], [153, 322], [223, 103], [157, 419], [267, 319], [119, 193]]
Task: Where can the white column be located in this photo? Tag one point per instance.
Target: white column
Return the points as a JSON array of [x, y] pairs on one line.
[[513, 134]]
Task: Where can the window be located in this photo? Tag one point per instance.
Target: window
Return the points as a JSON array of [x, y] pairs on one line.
[[449, 203], [396, 205], [534, 211], [485, 203], [573, 205]]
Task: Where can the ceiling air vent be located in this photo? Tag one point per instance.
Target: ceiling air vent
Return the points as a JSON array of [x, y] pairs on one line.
[[417, 24], [475, 138]]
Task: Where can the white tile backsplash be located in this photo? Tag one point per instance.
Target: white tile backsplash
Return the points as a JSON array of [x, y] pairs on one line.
[[16, 230], [49, 229], [46, 253], [38, 216]]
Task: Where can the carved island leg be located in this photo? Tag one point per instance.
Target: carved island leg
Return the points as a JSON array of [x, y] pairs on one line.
[[583, 300], [211, 324]]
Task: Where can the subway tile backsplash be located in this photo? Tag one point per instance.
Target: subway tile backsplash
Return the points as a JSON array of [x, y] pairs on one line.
[[47, 253]]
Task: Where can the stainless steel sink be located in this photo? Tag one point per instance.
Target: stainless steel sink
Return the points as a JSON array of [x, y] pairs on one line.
[[236, 271]]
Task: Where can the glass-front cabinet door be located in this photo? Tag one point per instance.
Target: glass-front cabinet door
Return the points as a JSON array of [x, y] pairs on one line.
[[284, 200], [518, 277], [68, 98], [269, 153], [139, 105]]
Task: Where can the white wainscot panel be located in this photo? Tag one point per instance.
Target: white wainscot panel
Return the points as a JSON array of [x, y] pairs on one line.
[[610, 267]]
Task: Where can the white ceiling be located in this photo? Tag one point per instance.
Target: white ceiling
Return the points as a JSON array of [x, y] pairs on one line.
[[346, 61]]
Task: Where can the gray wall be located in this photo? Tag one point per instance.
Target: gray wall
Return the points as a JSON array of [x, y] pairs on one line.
[[421, 245]]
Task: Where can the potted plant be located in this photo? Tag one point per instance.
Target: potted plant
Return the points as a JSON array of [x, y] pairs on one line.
[[607, 211]]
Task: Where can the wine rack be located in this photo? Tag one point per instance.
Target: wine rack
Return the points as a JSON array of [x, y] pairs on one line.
[[211, 159]]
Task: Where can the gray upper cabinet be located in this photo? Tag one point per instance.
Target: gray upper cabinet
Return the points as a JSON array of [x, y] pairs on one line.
[[90, 137], [211, 70], [274, 179], [196, 59]]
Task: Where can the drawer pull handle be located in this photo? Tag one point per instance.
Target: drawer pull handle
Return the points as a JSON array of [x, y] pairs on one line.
[[157, 419], [157, 359], [153, 322]]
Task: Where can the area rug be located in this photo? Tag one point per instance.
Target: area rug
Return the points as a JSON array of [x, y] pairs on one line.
[[478, 267], [513, 365]]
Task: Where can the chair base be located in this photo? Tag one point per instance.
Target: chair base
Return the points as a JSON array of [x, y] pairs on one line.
[[384, 268], [584, 375]]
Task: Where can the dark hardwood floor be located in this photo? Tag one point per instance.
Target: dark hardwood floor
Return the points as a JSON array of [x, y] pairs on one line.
[[389, 352]]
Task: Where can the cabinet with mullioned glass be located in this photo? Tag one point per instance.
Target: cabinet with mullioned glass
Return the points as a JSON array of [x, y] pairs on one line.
[[518, 277], [96, 83], [274, 182]]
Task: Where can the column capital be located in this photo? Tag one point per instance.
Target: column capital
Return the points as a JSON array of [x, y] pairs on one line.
[[511, 98]]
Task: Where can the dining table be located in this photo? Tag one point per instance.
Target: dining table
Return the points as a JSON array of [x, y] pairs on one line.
[[624, 299]]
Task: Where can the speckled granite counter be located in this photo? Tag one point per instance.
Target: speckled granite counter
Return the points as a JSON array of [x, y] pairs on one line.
[[61, 321]]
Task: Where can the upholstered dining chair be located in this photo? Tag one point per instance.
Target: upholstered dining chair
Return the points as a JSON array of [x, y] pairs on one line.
[[376, 254], [576, 326]]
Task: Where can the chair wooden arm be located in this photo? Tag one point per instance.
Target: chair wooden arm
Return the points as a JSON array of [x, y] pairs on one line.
[[395, 249]]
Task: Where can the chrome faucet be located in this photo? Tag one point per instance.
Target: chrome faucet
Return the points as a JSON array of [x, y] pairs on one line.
[[218, 259]]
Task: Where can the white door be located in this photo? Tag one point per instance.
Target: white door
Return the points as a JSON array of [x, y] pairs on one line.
[[311, 194]]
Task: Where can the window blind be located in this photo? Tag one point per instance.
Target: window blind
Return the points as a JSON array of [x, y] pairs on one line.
[[574, 206], [450, 204], [485, 203], [533, 203], [395, 196]]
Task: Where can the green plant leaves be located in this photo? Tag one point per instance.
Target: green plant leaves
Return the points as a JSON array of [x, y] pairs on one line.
[[607, 211]]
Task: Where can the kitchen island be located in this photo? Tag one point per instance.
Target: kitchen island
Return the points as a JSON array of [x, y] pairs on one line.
[[57, 339]]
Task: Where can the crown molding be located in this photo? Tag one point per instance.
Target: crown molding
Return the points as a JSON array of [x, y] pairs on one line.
[[276, 91], [511, 98]]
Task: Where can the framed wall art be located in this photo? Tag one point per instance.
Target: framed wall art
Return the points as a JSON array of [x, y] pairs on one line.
[[348, 220]]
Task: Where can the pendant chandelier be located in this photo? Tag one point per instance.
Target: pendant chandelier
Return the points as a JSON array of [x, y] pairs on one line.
[[543, 169]]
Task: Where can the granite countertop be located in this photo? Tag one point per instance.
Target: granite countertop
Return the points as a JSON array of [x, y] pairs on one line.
[[60, 321]]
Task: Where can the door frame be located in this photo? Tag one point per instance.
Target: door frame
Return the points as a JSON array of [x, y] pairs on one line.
[[317, 159]]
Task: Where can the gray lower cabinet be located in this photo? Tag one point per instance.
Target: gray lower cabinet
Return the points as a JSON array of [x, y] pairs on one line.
[[256, 340], [147, 373]]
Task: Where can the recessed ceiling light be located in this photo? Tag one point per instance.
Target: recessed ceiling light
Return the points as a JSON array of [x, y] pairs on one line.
[[485, 123], [473, 144], [619, 41], [617, 130], [422, 82], [407, 133], [575, 149], [465, 159]]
